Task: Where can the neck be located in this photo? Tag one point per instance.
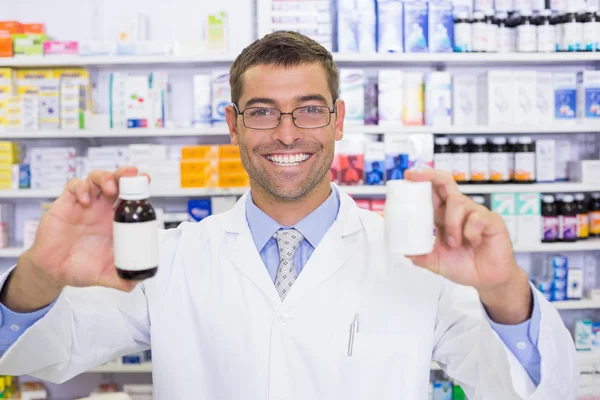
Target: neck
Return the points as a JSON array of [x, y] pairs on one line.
[[288, 213]]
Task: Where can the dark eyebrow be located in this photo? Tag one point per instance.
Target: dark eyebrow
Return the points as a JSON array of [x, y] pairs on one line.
[[257, 100], [311, 97]]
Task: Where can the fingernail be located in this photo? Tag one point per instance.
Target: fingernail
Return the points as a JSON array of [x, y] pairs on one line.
[[451, 241]]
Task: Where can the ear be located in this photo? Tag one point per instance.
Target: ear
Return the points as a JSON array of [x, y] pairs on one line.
[[339, 120], [231, 117]]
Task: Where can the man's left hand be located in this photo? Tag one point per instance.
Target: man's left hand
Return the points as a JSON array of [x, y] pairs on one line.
[[472, 247]]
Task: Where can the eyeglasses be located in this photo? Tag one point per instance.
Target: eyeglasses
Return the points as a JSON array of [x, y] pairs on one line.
[[307, 117]]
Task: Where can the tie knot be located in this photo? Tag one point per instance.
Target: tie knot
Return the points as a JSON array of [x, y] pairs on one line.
[[288, 241]]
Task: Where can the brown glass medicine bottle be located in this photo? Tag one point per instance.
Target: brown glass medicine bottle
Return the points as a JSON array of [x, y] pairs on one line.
[[135, 231]]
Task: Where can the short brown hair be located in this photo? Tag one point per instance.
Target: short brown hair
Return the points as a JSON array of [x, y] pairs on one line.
[[282, 48]]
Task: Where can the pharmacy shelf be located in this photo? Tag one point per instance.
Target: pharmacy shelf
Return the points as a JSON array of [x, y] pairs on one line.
[[352, 190], [11, 252], [123, 368], [585, 304], [354, 59], [584, 245], [221, 130]]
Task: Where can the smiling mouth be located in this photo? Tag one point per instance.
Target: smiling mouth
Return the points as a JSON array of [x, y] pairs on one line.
[[288, 160]]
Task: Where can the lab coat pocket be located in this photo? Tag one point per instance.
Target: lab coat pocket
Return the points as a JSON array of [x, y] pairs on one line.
[[380, 367]]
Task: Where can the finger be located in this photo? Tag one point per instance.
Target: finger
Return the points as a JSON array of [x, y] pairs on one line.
[[474, 227], [442, 181], [126, 171], [82, 190], [115, 282], [456, 212]]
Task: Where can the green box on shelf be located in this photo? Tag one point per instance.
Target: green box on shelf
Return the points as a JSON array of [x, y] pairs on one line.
[[29, 44]]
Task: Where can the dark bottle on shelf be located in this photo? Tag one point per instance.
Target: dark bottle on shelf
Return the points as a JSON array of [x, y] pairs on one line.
[[567, 219], [583, 219], [549, 219], [594, 214], [135, 231], [525, 160]]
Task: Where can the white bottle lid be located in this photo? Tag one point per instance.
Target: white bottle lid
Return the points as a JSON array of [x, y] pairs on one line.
[[499, 140], [442, 141], [548, 198], [480, 141], [525, 140], [459, 141], [134, 187], [568, 198], [579, 196], [596, 195], [513, 140]]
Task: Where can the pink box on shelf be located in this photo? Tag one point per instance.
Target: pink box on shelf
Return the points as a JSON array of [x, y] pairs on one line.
[[55, 47]]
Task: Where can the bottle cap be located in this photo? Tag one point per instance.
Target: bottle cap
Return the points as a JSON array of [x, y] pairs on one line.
[[478, 15], [568, 198], [596, 195], [479, 141], [526, 12], [513, 140], [499, 140], [548, 198], [403, 191], [442, 141], [461, 14], [579, 196], [592, 9], [501, 15], [134, 187], [546, 13], [459, 141], [489, 12], [525, 140]]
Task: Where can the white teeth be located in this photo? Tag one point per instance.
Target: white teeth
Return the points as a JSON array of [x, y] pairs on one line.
[[287, 159]]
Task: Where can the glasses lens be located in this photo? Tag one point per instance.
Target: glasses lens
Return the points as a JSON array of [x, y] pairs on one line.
[[261, 117], [312, 116]]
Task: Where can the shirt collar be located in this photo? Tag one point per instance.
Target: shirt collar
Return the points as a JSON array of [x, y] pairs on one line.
[[313, 227]]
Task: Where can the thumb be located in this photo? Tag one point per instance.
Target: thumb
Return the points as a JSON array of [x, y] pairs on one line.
[[114, 281]]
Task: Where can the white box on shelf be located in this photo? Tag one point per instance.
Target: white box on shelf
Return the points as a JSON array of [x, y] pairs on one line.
[[438, 96], [585, 171], [525, 96], [352, 91], [137, 105], [464, 100], [565, 96], [202, 107], [496, 98], [588, 95], [221, 95], [545, 98], [583, 335], [545, 160], [505, 205], [575, 284], [562, 154], [391, 93], [528, 218], [29, 230]]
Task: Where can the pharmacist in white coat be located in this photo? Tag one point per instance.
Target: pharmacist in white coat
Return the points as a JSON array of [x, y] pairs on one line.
[[260, 302]]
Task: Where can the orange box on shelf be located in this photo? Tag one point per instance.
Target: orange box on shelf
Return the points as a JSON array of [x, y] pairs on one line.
[[10, 27], [198, 167], [199, 181], [231, 167], [234, 180], [229, 151], [6, 46], [34, 28], [200, 152]]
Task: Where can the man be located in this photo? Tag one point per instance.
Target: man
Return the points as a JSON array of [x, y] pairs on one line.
[[290, 295]]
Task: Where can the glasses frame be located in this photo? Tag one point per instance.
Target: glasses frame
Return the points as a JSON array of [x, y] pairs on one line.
[[281, 114]]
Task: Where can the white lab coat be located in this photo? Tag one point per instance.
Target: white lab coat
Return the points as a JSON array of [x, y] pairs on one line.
[[218, 329]]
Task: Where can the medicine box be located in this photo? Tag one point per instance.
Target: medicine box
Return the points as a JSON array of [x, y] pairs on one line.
[[198, 167], [202, 107], [441, 26], [438, 95], [575, 284], [545, 98], [442, 390], [528, 218], [137, 102], [234, 180], [221, 95], [391, 93], [585, 171], [197, 181], [588, 95], [596, 336], [390, 28], [496, 98], [464, 100], [352, 91], [545, 160], [28, 44], [524, 98], [413, 99], [200, 152], [565, 95], [583, 334], [231, 167], [505, 205], [374, 163], [229, 152], [416, 29]]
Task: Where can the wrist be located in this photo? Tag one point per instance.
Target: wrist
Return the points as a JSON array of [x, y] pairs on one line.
[[29, 288], [510, 303]]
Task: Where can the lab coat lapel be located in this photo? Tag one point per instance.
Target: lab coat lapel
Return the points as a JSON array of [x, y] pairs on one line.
[[330, 255], [244, 255]]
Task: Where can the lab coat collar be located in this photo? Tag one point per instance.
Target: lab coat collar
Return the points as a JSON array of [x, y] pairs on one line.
[[327, 258]]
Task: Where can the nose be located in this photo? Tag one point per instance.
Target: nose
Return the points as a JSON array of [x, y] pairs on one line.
[[287, 133]]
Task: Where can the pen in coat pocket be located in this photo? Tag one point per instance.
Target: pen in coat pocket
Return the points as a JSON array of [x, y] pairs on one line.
[[353, 331]]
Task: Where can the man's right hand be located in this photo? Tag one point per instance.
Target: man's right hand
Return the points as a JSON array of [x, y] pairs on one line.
[[73, 245]]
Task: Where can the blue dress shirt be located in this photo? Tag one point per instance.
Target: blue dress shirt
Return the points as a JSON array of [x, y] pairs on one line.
[[521, 339]]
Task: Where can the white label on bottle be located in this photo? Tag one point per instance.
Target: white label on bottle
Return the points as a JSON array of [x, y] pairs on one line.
[[573, 36], [136, 245], [511, 165], [480, 167], [546, 38], [526, 38], [525, 166], [463, 36], [499, 170], [522, 5], [442, 162], [590, 36], [484, 5], [503, 5], [493, 32], [505, 40], [480, 36], [460, 166], [557, 5]]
